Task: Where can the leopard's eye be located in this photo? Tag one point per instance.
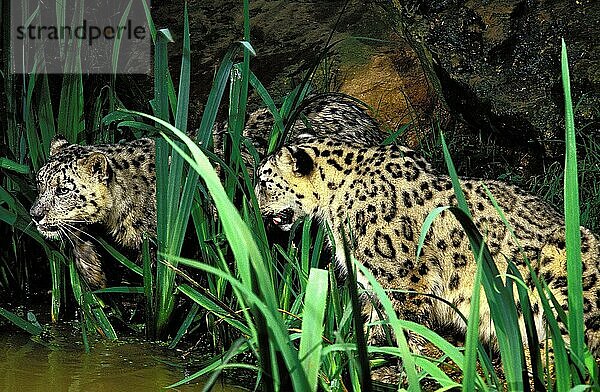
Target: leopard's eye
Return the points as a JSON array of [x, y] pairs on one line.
[[61, 191]]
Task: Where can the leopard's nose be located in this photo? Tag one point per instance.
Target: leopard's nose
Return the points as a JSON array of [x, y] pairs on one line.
[[36, 213]]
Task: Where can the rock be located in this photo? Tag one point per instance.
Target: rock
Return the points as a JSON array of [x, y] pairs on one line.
[[496, 63], [289, 37], [393, 84]]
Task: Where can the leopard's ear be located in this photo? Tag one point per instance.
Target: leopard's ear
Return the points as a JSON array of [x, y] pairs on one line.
[[57, 143], [302, 162], [96, 165]]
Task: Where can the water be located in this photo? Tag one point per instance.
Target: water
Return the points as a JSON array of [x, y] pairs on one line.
[[63, 365]]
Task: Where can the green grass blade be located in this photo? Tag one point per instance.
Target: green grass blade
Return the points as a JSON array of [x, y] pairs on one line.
[[120, 257], [215, 306], [213, 364], [446, 383], [70, 113], [312, 324], [93, 316], [25, 325], [395, 135], [408, 361], [118, 39], [184, 77], [178, 217], [268, 101], [56, 261], [8, 164], [160, 102], [561, 361], [229, 355], [502, 307], [223, 312], [214, 97], [178, 202], [537, 369], [121, 290], [46, 117], [101, 320], [305, 247], [559, 347], [6, 198], [184, 326], [33, 143], [280, 335], [168, 170], [572, 226], [238, 95], [148, 279], [290, 103], [146, 128], [78, 294], [460, 196], [149, 19], [472, 336], [360, 365], [532, 335], [500, 299], [61, 20], [7, 216]]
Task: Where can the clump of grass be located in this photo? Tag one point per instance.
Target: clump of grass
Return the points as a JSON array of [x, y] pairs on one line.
[[550, 184]]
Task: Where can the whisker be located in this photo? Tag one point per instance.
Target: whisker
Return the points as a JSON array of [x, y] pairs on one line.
[[61, 230], [76, 221], [62, 241], [82, 232], [78, 229], [24, 230], [71, 232]]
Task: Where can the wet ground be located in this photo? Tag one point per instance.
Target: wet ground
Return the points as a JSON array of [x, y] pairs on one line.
[[63, 365]]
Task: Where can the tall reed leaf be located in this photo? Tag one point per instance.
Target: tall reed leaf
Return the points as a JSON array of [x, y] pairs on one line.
[[168, 173], [472, 336], [27, 326], [561, 361], [70, 112], [312, 324], [173, 202], [45, 117], [57, 263], [408, 361], [500, 299], [572, 226], [117, 43]]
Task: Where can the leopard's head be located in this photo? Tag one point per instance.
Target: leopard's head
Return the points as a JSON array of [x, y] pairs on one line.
[[73, 190], [286, 186]]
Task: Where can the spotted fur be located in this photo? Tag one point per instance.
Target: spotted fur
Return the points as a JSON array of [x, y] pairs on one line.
[[108, 185], [331, 115], [383, 194]]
